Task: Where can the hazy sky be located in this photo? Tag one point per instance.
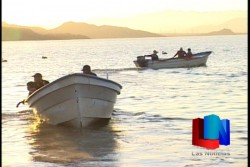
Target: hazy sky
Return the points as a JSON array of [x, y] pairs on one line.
[[51, 13]]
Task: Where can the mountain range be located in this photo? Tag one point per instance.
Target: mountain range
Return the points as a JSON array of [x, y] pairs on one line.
[[73, 30], [20, 34], [172, 21], [70, 30], [223, 31]]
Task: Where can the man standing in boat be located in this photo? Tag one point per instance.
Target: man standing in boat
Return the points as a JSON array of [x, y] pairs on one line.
[[154, 56], [39, 82], [181, 53], [87, 70]]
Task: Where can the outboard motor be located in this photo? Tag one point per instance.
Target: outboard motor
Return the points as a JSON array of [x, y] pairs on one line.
[[142, 61]]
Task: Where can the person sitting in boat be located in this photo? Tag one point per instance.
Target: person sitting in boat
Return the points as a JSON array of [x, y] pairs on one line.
[[189, 54], [153, 56], [38, 80], [87, 70], [31, 87], [180, 53]]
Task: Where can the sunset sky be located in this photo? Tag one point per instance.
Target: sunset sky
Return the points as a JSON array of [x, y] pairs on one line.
[[52, 13]]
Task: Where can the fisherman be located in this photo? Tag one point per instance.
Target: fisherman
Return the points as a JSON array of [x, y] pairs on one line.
[[86, 69], [181, 53], [153, 56], [39, 82], [189, 54], [31, 87]]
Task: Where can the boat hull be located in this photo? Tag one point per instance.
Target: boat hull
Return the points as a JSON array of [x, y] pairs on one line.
[[199, 59], [77, 100]]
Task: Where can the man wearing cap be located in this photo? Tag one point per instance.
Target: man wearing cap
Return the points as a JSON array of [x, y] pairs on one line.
[[153, 56], [39, 82], [87, 70]]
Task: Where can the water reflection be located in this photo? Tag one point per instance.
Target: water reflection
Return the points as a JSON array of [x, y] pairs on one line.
[[60, 144]]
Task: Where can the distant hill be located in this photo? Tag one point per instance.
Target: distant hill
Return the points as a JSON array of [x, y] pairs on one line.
[[70, 30], [38, 30], [18, 34], [104, 31], [221, 32], [73, 30], [173, 21], [237, 25]]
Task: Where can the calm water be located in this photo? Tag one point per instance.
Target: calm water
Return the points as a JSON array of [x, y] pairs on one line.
[[152, 121]]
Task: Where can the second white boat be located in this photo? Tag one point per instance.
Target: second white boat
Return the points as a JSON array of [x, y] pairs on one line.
[[198, 59]]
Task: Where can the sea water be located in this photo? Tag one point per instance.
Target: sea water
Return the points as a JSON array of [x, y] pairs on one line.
[[152, 120]]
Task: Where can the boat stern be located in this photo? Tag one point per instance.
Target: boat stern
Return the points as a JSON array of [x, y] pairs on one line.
[[141, 61]]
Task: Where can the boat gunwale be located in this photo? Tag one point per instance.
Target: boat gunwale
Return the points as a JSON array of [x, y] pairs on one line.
[[196, 55], [74, 74]]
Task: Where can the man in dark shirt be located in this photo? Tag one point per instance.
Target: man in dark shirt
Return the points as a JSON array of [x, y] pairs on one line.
[[181, 53], [31, 88], [87, 70], [39, 82], [153, 56]]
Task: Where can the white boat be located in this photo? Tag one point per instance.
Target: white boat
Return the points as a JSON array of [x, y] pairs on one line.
[[76, 100], [198, 59]]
